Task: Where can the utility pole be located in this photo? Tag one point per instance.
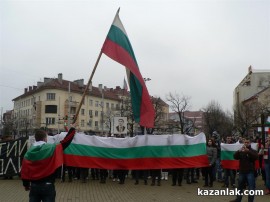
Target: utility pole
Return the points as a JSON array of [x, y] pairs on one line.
[[263, 129], [58, 109], [102, 106], [68, 105]]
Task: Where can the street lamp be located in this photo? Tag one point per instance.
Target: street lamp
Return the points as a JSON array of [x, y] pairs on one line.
[[102, 106], [146, 79]]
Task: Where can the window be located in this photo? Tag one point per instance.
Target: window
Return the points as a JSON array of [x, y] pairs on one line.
[[33, 100], [90, 113], [73, 110], [107, 105], [112, 106], [90, 123], [82, 123], [96, 104], [96, 123], [91, 102], [51, 109], [50, 96], [96, 113], [82, 111], [50, 121]]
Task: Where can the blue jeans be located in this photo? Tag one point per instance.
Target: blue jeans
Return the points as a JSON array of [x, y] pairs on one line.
[[229, 173], [244, 178], [267, 175], [42, 192], [218, 169]]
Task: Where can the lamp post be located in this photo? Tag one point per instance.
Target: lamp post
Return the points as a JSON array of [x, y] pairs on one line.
[[102, 106], [146, 79]]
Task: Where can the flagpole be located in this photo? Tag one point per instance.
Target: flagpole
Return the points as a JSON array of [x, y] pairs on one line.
[[87, 87], [90, 79]]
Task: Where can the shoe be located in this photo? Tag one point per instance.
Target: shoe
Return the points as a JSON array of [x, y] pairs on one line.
[[136, 183], [166, 178], [114, 180], [152, 184], [145, 182], [180, 184], [158, 184], [173, 184]]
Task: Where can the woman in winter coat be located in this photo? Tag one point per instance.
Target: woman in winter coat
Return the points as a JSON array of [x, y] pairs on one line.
[[212, 156]]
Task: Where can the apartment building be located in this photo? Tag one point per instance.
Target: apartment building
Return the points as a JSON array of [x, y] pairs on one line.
[[52, 104], [255, 81]]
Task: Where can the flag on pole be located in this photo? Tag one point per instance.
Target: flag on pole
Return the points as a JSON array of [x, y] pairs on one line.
[[118, 47]]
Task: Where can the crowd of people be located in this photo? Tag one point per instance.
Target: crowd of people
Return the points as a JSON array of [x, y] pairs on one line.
[[213, 172]]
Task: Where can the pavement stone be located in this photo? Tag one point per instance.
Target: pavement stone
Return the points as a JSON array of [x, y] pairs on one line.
[[92, 190]]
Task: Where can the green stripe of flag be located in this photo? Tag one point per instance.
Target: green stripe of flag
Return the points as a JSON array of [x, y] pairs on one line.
[[136, 96], [227, 155], [43, 151], [138, 152], [118, 36]]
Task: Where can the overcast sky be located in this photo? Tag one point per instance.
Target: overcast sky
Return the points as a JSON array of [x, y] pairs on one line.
[[201, 49]]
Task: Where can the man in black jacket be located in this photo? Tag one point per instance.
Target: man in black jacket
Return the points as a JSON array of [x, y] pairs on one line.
[[247, 157]]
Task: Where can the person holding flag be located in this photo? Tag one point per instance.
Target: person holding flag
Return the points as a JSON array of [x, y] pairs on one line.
[[39, 165], [247, 157]]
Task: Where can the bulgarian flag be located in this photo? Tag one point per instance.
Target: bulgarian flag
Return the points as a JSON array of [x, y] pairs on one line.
[[140, 152], [227, 152], [118, 47], [41, 161]]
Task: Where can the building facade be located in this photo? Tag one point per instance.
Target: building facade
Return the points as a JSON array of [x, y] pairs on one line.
[[53, 103], [254, 82]]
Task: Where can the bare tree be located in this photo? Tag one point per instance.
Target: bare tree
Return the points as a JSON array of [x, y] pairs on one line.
[[126, 110], [215, 119], [159, 105], [249, 112], [180, 104]]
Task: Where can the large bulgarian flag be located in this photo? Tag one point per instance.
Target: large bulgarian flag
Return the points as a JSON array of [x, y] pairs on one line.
[[118, 47], [140, 152], [227, 152], [41, 161]]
